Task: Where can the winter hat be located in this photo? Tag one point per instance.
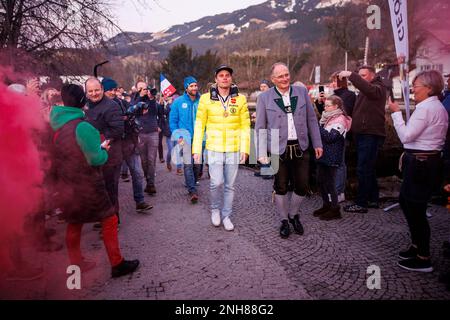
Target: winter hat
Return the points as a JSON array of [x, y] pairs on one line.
[[189, 80], [109, 84], [73, 96], [265, 82]]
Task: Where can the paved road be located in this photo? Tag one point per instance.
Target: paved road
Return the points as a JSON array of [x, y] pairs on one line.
[[184, 257]]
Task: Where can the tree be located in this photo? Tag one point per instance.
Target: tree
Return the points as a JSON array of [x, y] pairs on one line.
[[37, 25], [180, 63]]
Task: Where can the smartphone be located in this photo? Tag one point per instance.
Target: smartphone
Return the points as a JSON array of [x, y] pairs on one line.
[[321, 89], [391, 95]]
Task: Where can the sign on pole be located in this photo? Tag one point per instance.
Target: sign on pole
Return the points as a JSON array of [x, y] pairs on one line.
[[399, 21], [317, 77]]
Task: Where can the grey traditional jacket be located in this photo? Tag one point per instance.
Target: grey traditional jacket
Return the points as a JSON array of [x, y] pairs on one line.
[[271, 115]]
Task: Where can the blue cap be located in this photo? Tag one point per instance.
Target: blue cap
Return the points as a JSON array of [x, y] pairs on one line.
[[189, 80], [109, 84]]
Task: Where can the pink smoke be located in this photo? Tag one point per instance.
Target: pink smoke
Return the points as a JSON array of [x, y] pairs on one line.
[[20, 172]]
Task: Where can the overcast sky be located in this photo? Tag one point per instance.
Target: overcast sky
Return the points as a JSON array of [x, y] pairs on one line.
[[155, 15]]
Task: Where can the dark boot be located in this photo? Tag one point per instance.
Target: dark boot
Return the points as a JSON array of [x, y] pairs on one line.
[[124, 268], [326, 206], [298, 228], [150, 189], [333, 213], [284, 229]]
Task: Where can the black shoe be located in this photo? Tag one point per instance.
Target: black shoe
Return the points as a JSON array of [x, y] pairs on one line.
[[416, 264], [322, 210], [266, 177], [257, 174], [444, 277], [333, 213], [408, 254], [298, 228], [373, 205], [97, 226], [445, 245], [143, 206], [284, 229], [150, 189], [124, 268], [446, 253]]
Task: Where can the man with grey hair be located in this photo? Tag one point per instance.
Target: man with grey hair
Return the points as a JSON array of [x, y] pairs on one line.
[[285, 113]]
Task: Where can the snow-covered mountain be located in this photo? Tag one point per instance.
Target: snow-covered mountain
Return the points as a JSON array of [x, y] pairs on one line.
[[299, 19]]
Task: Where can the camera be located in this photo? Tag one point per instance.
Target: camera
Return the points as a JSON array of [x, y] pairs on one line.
[[137, 108]]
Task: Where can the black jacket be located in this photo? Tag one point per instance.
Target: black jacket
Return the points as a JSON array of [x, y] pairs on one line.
[[368, 114], [106, 116], [149, 122]]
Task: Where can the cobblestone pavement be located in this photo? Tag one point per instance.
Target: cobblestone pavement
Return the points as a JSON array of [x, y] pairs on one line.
[[184, 257]]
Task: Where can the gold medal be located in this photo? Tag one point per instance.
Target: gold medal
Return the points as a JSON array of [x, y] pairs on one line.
[[225, 114]]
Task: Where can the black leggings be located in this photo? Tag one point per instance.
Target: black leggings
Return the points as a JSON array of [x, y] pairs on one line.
[[326, 179]]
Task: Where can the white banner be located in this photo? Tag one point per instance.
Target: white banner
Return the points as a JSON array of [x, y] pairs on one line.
[[399, 20], [317, 75]]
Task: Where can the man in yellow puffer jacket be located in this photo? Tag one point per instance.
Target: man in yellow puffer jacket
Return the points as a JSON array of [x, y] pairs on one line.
[[224, 114]]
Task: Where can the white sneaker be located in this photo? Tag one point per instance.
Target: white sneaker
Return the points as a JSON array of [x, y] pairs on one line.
[[227, 224], [215, 217], [341, 197]]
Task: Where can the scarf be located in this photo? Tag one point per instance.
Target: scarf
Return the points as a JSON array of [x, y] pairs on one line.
[[327, 116]]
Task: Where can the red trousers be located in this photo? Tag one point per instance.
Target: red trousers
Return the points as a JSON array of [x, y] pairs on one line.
[[110, 239]]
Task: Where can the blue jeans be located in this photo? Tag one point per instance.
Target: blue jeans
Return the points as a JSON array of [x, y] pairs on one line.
[[124, 169], [223, 169], [169, 144], [137, 177], [188, 164], [367, 148]]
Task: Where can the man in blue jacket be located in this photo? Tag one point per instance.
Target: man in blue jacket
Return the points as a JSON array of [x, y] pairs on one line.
[[181, 121]]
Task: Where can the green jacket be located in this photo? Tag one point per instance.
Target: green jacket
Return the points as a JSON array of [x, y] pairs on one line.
[[88, 138]]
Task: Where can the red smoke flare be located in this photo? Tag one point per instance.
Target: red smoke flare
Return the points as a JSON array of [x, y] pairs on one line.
[[20, 173]]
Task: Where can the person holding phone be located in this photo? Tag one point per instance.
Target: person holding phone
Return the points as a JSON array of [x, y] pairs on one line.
[[368, 128], [423, 139]]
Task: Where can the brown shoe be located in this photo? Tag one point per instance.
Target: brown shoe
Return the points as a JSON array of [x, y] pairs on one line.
[[180, 172], [150, 189], [193, 197], [169, 166]]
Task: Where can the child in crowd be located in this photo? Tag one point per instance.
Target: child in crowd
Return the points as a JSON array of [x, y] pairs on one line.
[[334, 125]]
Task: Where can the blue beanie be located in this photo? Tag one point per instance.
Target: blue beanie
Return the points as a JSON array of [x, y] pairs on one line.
[[188, 81], [109, 84]]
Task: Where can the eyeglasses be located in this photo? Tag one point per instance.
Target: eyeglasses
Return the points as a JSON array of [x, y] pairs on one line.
[[282, 76], [418, 86]]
